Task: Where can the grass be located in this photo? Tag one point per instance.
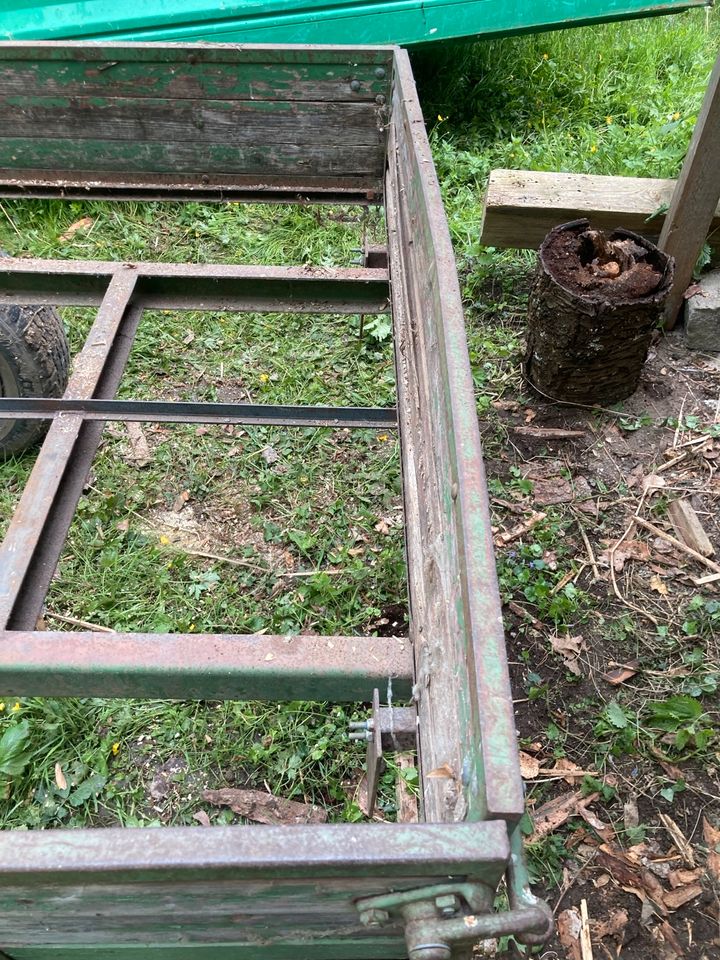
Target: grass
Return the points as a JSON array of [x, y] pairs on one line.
[[610, 100]]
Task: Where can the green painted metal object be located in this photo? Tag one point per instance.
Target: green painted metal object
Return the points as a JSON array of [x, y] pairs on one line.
[[308, 21]]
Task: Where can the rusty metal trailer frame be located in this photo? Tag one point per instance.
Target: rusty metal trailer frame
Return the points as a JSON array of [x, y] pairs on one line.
[[365, 891]]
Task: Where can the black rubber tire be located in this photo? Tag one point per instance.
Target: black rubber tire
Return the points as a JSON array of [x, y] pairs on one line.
[[34, 362]]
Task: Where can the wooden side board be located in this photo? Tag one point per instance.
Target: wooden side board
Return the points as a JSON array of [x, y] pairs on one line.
[[468, 753], [522, 206]]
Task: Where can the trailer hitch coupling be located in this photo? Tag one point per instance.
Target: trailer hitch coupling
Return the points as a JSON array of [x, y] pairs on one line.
[[440, 917]]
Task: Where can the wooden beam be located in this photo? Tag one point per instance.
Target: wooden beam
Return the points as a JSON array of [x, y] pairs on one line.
[[695, 198], [522, 206]]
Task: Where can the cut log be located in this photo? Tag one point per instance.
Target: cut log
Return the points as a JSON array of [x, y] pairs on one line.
[[593, 305], [688, 527], [522, 206]]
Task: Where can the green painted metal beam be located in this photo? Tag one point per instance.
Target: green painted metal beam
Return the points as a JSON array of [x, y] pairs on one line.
[[309, 21]]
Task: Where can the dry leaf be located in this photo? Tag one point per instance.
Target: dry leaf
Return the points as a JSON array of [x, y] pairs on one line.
[[180, 500], [529, 766], [202, 818], [657, 584], [631, 815], [530, 415], [270, 455], [614, 926], [622, 673], [264, 807], [60, 780], [711, 835], [681, 878], [569, 649], [627, 550], [83, 224], [653, 482], [383, 527]]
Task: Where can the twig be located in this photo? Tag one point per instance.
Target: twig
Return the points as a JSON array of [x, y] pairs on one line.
[[678, 544], [671, 463], [518, 531], [591, 555], [95, 627], [11, 222]]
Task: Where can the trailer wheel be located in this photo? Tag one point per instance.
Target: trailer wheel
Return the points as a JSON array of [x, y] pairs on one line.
[[34, 362]]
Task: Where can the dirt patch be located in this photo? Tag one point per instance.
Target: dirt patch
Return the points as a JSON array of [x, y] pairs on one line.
[[616, 267]]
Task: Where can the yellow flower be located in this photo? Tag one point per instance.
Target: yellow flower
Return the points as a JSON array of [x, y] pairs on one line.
[[115, 748], [546, 56], [16, 706], [608, 120], [164, 540], [264, 378], [383, 437], [676, 116], [2, 706], [593, 149], [441, 118], [191, 627]]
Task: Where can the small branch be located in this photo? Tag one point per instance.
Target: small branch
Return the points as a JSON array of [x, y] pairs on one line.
[[95, 627], [677, 544]]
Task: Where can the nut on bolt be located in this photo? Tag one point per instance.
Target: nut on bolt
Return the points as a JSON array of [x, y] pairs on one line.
[[374, 918], [448, 905]]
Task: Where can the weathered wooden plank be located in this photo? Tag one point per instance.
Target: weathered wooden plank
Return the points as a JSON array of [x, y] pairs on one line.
[[22, 156], [380, 947], [522, 206], [233, 122], [203, 667], [467, 730], [695, 199], [165, 70]]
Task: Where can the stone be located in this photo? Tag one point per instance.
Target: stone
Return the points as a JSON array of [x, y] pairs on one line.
[[702, 315]]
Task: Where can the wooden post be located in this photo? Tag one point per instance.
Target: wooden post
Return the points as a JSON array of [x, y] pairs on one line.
[[695, 198]]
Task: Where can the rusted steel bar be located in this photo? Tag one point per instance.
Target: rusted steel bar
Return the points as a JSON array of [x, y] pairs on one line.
[[204, 666], [32, 545], [182, 286], [165, 411]]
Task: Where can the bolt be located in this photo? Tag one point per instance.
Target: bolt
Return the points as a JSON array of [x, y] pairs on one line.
[[448, 905], [360, 735], [380, 73], [380, 99], [354, 85], [374, 918], [358, 725]]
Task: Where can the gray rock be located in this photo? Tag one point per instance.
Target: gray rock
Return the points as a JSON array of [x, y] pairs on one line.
[[702, 315]]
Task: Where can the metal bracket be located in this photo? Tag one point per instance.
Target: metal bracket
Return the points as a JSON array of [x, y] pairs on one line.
[[438, 918], [387, 729]]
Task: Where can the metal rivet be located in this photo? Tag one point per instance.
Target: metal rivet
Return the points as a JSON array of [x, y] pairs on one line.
[[205, 178], [454, 491], [380, 99], [355, 85], [380, 73]]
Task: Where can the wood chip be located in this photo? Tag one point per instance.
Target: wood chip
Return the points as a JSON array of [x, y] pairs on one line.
[[586, 949], [140, 453], [202, 818], [674, 899], [529, 766], [552, 490], [502, 539], [407, 802], [265, 807], [711, 835], [569, 925], [555, 813], [688, 527], [679, 839]]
